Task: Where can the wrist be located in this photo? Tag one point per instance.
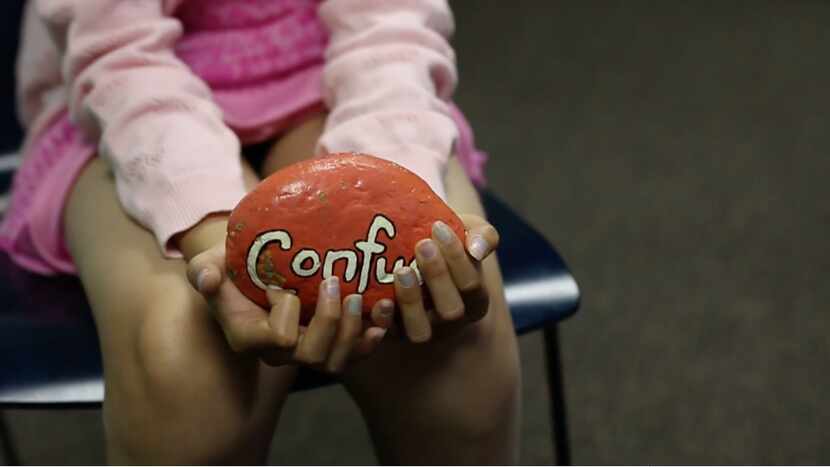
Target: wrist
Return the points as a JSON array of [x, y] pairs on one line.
[[206, 234]]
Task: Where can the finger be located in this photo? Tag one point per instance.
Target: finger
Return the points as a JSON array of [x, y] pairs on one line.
[[367, 343], [285, 327], [414, 317], [243, 322], [482, 238], [314, 345], [351, 325], [383, 313], [284, 318], [464, 273], [472, 221], [204, 271], [436, 275]]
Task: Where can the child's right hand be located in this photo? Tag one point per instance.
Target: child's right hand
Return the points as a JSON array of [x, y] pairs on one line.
[[334, 336]]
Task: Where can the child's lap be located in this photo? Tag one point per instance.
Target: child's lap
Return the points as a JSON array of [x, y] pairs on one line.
[[150, 318]]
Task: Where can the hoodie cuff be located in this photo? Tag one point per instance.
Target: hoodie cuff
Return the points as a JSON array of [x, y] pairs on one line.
[[187, 204]]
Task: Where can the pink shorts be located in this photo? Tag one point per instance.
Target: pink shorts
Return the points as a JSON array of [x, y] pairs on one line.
[[263, 61]]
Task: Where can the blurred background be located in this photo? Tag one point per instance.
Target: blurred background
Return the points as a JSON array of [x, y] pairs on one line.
[[676, 153]]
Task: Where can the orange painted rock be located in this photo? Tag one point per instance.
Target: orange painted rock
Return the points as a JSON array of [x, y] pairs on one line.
[[350, 215]]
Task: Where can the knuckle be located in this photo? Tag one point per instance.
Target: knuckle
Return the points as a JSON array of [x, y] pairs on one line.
[[470, 285], [329, 317], [454, 312], [456, 253], [410, 300], [285, 340], [434, 270]]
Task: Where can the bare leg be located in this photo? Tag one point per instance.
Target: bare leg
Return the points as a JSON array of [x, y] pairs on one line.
[[175, 393], [455, 401]]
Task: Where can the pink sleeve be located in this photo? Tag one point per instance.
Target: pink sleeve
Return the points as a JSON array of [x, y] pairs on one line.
[[173, 158], [388, 76]]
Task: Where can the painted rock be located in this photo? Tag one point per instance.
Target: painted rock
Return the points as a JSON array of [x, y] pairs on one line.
[[351, 215]]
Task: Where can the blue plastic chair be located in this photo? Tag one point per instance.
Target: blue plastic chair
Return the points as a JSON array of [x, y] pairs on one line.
[[39, 315]]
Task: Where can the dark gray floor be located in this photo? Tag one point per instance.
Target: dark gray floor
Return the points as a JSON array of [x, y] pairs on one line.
[[677, 154]]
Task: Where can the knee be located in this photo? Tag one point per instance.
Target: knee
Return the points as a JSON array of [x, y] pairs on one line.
[[491, 405], [174, 331], [180, 398], [174, 347], [494, 406]]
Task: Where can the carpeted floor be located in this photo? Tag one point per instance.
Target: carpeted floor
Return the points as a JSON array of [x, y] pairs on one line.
[[677, 154]]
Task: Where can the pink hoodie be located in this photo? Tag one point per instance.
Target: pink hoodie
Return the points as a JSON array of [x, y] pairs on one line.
[[174, 149]]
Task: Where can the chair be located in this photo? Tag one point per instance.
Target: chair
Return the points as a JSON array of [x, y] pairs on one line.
[[39, 315]]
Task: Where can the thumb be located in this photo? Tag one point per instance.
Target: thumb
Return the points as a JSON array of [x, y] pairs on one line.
[[206, 270]]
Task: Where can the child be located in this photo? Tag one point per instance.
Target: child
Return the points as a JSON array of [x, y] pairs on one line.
[[136, 114]]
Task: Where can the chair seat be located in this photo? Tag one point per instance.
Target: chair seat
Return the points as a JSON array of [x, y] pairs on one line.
[[49, 351]]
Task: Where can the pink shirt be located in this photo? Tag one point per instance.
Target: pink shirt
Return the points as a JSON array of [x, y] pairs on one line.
[[387, 78]]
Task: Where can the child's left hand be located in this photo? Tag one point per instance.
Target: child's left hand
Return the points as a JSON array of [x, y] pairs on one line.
[[452, 273]]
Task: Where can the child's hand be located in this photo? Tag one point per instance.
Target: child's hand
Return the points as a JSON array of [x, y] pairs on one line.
[[333, 337], [453, 277]]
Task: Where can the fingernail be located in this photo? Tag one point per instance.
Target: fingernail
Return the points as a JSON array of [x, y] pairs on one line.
[[406, 277], [442, 232], [478, 247], [427, 249], [386, 308], [201, 278], [333, 287], [355, 305]]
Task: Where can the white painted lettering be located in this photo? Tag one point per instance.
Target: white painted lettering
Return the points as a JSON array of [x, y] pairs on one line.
[[300, 258], [307, 262], [279, 236], [371, 246], [351, 263]]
